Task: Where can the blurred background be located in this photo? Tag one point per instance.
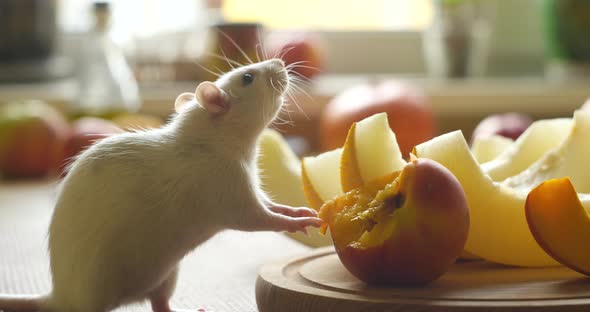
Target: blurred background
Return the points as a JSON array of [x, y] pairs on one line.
[[72, 71]]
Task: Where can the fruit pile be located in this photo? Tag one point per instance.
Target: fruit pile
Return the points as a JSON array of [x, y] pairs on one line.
[[391, 221], [36, 140], [515, 202]]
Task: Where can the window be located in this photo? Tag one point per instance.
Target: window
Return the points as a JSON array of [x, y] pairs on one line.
[[135, 19], [332, 14], [153, 17], [170, 27], [348, 26]]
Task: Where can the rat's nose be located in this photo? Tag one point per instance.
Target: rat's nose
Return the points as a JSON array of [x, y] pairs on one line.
[[277, 62], [278, 73]]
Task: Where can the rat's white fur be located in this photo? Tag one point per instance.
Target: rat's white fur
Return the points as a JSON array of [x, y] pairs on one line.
[[134, 204]]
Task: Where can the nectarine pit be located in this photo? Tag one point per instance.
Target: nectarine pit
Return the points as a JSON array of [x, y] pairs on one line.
[[369, 223], [375, 215], [393, 203]]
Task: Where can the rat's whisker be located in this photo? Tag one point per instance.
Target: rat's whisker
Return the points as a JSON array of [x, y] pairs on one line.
[[288, 112], [264, 52], [209, 70], [298, 83], [276, 54], [293, 99], [225, 58], [284, 52], [264, 112], [233, 42], [280, 122], [301, 90], [286, 109], [219, 70], [281, 84], [293, 75], [261, 44], [273, 86], [304, 81], [290, 118], [304, 66], [257, 54], [305, 94], [297, 63], [279, 118], [275, 126]]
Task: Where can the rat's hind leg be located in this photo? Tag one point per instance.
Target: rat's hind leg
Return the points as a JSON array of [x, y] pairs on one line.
[[160, 296]]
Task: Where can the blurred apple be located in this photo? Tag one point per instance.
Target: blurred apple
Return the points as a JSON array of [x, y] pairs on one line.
[[409, 114], [586, 105], [509, 125], [85, 132], [32, 135], [303, 49]]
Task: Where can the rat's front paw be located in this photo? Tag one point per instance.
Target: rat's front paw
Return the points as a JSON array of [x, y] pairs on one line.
[[293, 211], [299, 224]]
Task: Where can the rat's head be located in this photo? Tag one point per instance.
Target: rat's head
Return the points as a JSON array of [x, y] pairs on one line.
[[248, 97]]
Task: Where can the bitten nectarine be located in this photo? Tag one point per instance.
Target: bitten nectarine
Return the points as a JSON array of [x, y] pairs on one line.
[[402, 229], [559, 223]]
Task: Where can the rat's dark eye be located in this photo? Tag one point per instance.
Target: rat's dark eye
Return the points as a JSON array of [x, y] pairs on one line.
[[247, 79]]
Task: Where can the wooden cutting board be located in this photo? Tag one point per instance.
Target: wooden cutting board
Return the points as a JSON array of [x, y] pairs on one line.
[[318, 282]]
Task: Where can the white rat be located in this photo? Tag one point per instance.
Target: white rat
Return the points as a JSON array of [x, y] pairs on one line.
[[134, 204]]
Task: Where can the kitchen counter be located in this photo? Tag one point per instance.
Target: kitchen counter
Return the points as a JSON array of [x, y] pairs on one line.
[[455, 97], [458, 104], [219, 276]]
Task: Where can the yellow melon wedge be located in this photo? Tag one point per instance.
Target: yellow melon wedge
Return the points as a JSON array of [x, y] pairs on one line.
[[499, 231], [569, 159], [538, 139], [321, 177], [281, 179], [370, 151], [485, 149], [279, 168]]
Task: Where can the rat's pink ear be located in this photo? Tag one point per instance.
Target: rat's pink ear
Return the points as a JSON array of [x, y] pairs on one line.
[[182, 100], [212, 98]]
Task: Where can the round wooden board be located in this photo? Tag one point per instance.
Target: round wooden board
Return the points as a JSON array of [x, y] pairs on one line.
[[318, 282]]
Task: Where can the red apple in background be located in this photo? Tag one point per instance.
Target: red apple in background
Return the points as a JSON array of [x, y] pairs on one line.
[[32, 135], [86, 131], [304, 48], [409, 113], [509, 125]]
